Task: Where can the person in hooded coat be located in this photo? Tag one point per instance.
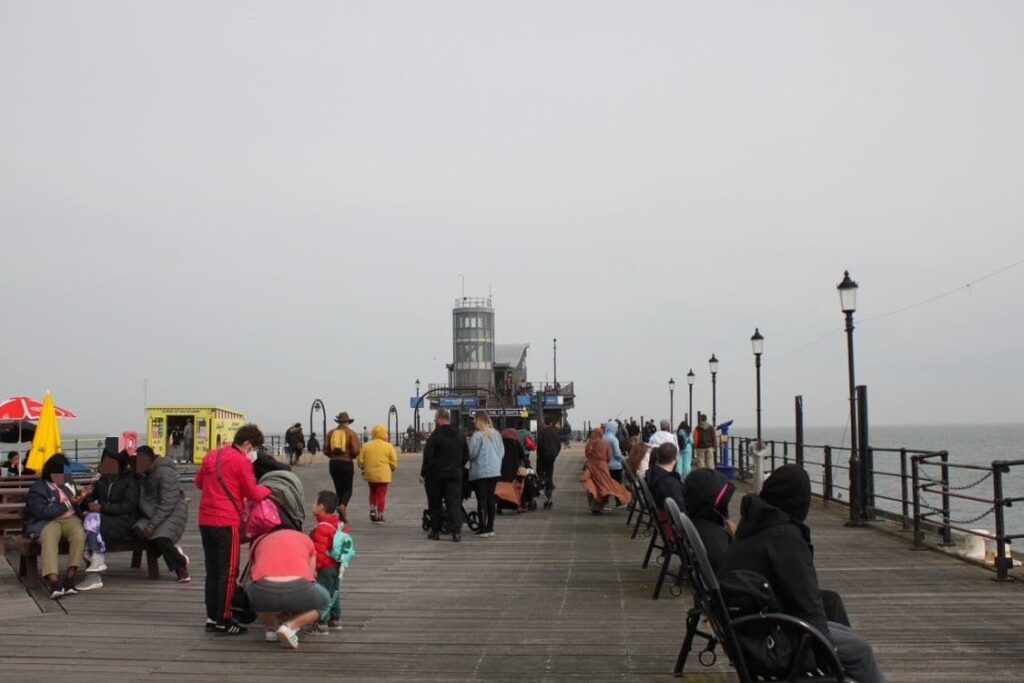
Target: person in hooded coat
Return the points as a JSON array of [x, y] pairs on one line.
[[444, 457], [618, 461], [707, 494], [163, 509], [597, 481], [685, 440], [377, 459], [773, 540]]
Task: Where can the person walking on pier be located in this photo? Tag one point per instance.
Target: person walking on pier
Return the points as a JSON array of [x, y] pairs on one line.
[[486, 451], [685, 462], [773, 540], [704, 442], [597, 479], [295, 443], [378, 460], [444, 457], [618, 461], [342, 447], [549, 445]]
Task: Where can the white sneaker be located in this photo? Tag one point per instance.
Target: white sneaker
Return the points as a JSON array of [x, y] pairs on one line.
[[270, 636], [288, 637], [97, 563], [182, 553], [89, 583]]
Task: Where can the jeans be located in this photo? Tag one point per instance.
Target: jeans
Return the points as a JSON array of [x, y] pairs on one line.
[[546, 472], [856, 655], [330, 581]]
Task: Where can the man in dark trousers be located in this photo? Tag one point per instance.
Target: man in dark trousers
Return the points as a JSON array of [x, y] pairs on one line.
[[444, 457], [549, 445]]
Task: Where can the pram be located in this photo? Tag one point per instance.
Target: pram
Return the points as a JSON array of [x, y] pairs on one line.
[[521, 493], [472, 519]]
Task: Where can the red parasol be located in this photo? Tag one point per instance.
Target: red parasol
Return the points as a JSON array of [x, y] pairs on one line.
[[22, 408]]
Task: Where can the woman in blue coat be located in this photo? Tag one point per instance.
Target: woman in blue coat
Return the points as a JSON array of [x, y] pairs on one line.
[[486, 451]]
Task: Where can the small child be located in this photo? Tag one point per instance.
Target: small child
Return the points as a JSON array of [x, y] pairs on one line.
[[343, 549], [325, 509]]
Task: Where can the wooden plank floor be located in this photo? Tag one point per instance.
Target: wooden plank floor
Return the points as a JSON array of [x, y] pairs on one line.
[[556, 595]]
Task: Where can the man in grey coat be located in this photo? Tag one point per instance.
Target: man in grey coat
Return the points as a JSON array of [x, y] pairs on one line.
[[163, 509]]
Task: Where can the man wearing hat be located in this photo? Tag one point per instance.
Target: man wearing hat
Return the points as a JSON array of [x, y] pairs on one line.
[[342, 448]]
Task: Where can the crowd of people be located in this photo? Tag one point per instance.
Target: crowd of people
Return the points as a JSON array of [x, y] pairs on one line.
[[772, 538], [292, 581]]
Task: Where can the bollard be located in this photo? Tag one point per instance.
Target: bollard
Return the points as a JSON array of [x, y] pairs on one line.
[[827, 479], [1003, 563], [785, 452], [947, 533], [904, 503], [758, 481], [916, 478], [772, 443]]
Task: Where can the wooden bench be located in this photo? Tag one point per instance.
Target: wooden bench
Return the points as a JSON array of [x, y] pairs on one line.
[[12, 518]]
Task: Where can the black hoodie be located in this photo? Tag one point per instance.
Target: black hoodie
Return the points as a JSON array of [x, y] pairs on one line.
[[445, 454], [778, 547], [701, 490]]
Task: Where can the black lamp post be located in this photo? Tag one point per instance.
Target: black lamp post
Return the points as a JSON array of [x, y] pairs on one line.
[[757, 344], [416, 426], [690, 377], [713, 365], [848, 301], [317, 407], [672, 402]]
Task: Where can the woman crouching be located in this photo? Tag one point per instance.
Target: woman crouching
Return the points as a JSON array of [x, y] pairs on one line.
[[284, 583]]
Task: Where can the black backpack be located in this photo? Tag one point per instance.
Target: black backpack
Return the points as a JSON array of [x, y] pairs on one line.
[[766, 648]]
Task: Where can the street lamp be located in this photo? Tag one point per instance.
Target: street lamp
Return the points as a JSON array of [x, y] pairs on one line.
[[317, 407], [672, 402], [713, 364], [416, 420], [848, 302], [690, 377], [757, 344]]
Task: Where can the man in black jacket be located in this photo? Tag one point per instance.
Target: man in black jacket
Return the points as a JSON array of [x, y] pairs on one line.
[[444, 457], [662, 478], [549, 445], [773, 540]]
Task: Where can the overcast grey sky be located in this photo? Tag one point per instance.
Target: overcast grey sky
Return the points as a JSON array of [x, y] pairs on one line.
[[254, 204]]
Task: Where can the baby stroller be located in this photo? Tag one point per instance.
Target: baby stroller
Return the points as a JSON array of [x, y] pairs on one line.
[[471, 519], [520, 494]]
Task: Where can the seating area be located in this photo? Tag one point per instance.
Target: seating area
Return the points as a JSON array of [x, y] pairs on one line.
[[13, 491]]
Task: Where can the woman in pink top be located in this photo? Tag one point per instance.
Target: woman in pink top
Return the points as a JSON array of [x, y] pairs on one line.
[[284, 582]]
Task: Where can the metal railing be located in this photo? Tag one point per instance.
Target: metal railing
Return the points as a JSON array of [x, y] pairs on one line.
[[916, 475]]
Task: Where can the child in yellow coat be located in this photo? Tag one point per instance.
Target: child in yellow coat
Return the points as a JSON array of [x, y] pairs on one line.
[[377, 459]]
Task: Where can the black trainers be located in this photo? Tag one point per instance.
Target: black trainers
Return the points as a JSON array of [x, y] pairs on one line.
[[434, 536], [231, 628]]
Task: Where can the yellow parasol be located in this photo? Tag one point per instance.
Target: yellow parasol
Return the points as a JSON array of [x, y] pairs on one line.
[[47, 440]]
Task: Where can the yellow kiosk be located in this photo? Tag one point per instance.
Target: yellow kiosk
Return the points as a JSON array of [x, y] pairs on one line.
[[188, 433]]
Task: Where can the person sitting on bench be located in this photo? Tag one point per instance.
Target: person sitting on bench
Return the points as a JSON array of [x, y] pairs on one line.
[[163, 508], [662, 478], [115, 500], [50, 517], [707, 494], [773, 540]]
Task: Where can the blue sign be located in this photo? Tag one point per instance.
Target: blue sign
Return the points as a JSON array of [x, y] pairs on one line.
[[552, 400], [413, 400], [471, 402], [450, 402], [524, 401]]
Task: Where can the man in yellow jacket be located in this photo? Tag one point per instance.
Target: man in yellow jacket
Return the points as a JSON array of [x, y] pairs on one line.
[[377, 459]]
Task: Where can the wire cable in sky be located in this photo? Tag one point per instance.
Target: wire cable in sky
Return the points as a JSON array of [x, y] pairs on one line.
[[923, 302]]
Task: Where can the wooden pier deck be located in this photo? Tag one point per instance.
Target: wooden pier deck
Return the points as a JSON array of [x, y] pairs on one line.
[[555, 595]]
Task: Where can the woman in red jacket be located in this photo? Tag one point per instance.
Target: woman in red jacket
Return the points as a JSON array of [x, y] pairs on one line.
[[227, 482]]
